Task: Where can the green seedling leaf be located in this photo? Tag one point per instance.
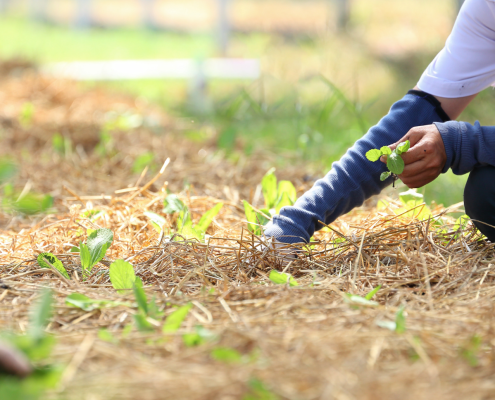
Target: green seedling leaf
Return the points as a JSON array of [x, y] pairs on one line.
[[39, 315], [200, 336], [156, 220], [385, 150], [385, 175], [143, 161], [75, 249], [358, 300], [402, 147], [140, 296], [142, 323], [411, 198], [26, 115], [269, 188], [105, 335], [85, 258], [44, 257], [173, 204], [226, 355], [282, 278], [31, 204], [85, 303], [390, 325], [283, 201], [400, 321], [259, 391], [286, 187], [122, 276], [207, 218], [395, 163], [174, 320], [471, 350], [255, 218], [370, 295], [7, 170], [373, 155], [98, 242]]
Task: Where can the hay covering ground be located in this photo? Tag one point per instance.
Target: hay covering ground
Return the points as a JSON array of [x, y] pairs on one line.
[[302, 342]]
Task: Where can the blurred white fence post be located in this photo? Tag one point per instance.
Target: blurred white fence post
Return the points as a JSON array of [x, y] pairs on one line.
[[37, 9], [83, 14], [223, 26], [147, 7], [343, 9]]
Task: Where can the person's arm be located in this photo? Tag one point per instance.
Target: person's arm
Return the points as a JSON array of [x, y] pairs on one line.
[[354, 178]]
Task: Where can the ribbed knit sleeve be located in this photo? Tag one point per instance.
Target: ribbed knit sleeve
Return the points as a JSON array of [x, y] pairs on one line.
[[354, 178], [467, 146]]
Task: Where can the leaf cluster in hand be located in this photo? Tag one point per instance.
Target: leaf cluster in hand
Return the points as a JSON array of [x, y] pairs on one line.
[[395, 163]]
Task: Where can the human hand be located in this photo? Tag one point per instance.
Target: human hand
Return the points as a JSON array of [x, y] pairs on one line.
[[425, 158]]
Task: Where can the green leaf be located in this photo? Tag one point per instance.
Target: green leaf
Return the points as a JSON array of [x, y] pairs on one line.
[[98, 242], [269, 188], [286, 187], [370, 295], [173, 204], [75, 249], [373, 155], [143, 161], [254, 218], [31, 204], [156, 220], [87, 304], [207, 218], [40, 314], [85, 258], [200, 336], [142, 323], [411, 198], [226, 354], [402, 147], [7, 170], [107, 336], [400, 321], [122, 276], [384, 175], [354, 298], [140, 296], [174, 320], [281, 278], [43, 257], [395, 163], [385, 150], [184, 220], [258, 391]]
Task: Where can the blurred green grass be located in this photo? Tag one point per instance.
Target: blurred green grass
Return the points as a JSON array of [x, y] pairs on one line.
[[316, 97]]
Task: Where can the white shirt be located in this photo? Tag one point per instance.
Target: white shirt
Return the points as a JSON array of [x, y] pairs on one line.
[[466, 65]]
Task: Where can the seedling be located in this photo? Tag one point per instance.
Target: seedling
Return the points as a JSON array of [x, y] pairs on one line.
[[276, 197], [95, 249], [87, 304], [45, 259], [184, 223], [37, 346], [174, 320], [282, 278], [395, 163]]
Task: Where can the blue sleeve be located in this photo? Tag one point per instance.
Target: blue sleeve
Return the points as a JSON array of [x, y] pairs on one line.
[[354, 178], [467, 146]]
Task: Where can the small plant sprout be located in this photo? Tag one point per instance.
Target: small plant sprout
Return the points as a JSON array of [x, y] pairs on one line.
[[48, 260], [95, 249], [395, 163], [276, 197], [282, 278]]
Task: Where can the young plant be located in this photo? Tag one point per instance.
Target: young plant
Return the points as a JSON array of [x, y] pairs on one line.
[[37, 346], [185, 225], [45, 259], [276, 197], [395, 163], [95, 249], [123, 278]]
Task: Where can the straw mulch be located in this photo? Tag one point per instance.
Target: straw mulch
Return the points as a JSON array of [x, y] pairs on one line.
[[302, 342]]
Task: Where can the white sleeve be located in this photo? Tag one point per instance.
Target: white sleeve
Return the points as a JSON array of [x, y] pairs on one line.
[[466, 65]]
